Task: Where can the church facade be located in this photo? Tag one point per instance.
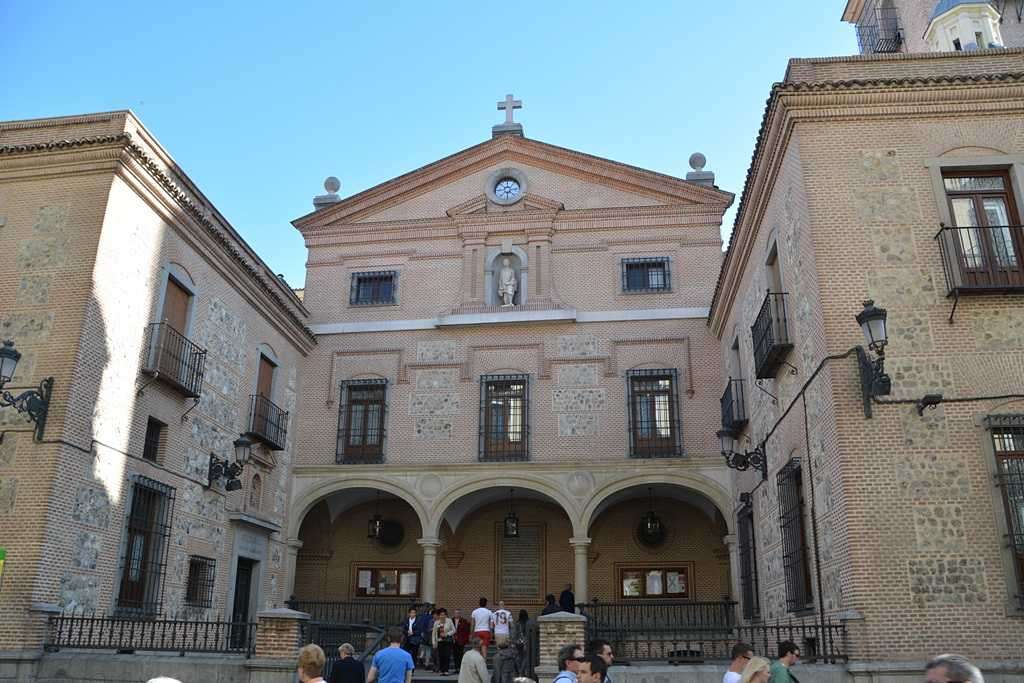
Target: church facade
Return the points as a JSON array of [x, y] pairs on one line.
[[517, 328]]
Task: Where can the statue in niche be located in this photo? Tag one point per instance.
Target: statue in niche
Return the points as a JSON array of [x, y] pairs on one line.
[[507, 285]]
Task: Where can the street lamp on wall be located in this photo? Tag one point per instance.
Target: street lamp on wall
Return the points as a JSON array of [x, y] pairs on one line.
[[35, 403], [742, 461], [230, 471], [873, 379]]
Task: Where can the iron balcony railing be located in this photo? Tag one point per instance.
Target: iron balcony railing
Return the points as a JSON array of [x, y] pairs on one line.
[[770, 333], [174, 359], [879, 30], [267, 422], [81, 631], [734, 409], [980, 260]]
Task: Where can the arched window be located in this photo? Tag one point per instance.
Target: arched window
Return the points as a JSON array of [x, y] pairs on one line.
[[255, 492]]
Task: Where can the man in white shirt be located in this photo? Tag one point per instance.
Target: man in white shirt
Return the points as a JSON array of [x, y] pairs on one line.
[[741, 654], [482, 617], [501, 622]]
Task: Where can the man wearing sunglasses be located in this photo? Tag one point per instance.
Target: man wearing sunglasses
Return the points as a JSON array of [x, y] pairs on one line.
[[789, 653], [952, 669], [741, 654], [569, 658]]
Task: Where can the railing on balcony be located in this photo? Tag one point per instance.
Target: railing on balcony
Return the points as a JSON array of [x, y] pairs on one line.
[[171, 357], [770, 333], [980, 260], [267, 422], [82, 631], [879, 30], [734, 408]]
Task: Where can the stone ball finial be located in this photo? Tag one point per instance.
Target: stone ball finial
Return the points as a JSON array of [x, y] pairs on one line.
[[698, 161], [332, 184]]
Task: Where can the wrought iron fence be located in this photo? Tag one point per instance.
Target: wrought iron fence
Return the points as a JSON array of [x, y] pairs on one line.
[[734, 409], [84, 631], [982, 259], [380, 612], [268, 422], [770, 335], [172, 357], [699, 632]]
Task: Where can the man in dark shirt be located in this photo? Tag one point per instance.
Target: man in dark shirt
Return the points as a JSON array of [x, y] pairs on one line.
[[348, 669], [567, 601]]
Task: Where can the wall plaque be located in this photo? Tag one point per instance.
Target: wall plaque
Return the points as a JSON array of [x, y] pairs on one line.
[[520, 563]]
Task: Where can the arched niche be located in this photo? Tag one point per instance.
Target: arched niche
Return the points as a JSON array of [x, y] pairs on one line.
[[519, 261]]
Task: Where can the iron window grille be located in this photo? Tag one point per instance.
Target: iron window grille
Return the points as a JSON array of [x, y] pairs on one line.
[[795, 565], [650, 274], [504, 417], [199, 585], [144, 560], [373, 288], [1008, 442], [362, 420], [748, 562], [655, 430], [151, 445]]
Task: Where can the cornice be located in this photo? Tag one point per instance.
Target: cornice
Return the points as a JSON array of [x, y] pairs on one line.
[[832, 100], [123, 141]]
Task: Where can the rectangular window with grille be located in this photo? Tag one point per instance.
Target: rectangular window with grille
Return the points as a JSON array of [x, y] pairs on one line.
[[199, 584], [1008, 440], [748, 562], [652, 274], [152, 446], [373, 288], [792, 516], [145, 551], [654, 428], [504, 417], [361, 421]]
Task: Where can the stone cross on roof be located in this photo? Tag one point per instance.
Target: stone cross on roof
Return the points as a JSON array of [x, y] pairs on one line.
[[509, 104]]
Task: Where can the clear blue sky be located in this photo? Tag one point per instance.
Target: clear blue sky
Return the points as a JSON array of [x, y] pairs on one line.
[[258, 102]]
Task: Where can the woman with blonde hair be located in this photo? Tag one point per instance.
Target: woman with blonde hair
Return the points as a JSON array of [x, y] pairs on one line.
[[756, 671]]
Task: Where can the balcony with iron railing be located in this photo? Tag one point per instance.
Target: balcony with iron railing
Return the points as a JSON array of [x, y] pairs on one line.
[[879, 30], [982, 260], [734, 409], [267, 422], [172, 358], [770, 333]]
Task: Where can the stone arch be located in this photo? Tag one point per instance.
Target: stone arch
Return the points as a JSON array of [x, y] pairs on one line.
[[305, 501], [708, 488], [540, 485]]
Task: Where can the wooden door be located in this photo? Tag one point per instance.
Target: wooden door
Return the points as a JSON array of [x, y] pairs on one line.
[[265, 377], [175, 311]]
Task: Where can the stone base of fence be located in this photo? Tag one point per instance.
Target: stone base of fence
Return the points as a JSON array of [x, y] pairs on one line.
[[19, 666], [271, 670], [279, 634], [555, 631], [77, 666]]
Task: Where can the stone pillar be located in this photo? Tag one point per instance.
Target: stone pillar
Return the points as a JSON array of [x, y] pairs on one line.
[[734, 567], [428, 591], [554, 631], [279, 634], [581, 551], [291, 562]]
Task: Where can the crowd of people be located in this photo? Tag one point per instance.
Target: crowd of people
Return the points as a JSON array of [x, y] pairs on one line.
[[446, 644]]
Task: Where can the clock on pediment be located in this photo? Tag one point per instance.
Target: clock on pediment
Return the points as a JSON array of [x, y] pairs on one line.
[[506, 186]]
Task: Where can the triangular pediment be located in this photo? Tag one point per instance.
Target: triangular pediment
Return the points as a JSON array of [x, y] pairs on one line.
[[480, 204], [558, 178]]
